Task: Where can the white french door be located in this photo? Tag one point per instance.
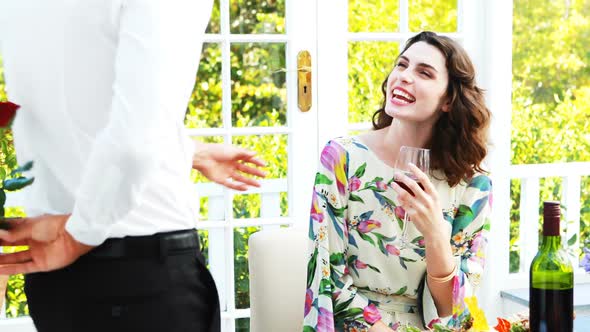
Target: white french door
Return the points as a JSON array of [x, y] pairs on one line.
[[246, 93]]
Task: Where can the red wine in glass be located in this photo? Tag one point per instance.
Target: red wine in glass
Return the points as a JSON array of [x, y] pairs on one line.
[[406, 188]]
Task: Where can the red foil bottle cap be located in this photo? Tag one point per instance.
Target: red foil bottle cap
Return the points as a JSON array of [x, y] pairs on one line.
[[551, 218]]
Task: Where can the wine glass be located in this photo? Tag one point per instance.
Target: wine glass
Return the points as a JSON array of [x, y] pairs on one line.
[[421, 159]]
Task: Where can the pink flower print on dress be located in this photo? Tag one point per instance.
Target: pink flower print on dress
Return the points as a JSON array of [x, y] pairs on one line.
[[477, 243], [371, 314], [334, 159], [368, 225], [316, 213], [308, 301], [325, 321], [360, 265], [381, 185], [434, 321], [399, 212], [393, 250], [354, 184]]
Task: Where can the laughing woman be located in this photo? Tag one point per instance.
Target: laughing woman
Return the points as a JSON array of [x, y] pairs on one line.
[[359, 277]]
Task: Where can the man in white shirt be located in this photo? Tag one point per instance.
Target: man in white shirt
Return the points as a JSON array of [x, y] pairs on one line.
[[103, 86]]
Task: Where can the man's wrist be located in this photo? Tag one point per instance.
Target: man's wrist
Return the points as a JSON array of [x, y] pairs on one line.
[[198, 155], [85, 233]]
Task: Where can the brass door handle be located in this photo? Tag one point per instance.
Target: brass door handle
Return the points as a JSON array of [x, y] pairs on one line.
[[304, 81]]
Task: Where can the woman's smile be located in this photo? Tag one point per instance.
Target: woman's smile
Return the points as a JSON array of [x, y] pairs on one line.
[[402, 97]]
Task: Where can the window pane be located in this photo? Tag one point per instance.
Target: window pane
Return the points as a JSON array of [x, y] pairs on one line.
[[585, 213], [514, 260], [246, 206], [213, 26], [284, 204], [259, 93], [550, 189], [16, 301], [373, 16], [2, 85], [242, 278], [242, 324], [204, 242], [203, 208], [204, 107], [551, 81], [249, 16], [434, 15], [369, 63]]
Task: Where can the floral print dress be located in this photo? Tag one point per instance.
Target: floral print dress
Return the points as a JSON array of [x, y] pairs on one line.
[[356, 274]]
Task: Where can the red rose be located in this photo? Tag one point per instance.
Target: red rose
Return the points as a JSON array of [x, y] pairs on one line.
[[7, 113]]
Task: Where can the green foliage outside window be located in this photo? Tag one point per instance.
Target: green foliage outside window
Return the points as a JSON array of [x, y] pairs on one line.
[[551, 96]]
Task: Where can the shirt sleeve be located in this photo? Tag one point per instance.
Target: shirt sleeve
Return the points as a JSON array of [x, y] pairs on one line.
[[331, 300], [157, 56], [468, 240]]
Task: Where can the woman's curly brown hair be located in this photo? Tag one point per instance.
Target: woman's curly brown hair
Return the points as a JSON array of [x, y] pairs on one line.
[[459, 137]]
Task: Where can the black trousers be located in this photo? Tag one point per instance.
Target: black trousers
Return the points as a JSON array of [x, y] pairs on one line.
[[149, 283]]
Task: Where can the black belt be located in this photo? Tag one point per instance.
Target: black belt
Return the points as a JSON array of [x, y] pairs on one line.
[[157, 245]]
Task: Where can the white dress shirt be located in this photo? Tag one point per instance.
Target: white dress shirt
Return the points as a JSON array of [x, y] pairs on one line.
[[103, 86]]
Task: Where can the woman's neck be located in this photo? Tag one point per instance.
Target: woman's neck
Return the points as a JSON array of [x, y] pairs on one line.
[[412, 134], [386, 142]]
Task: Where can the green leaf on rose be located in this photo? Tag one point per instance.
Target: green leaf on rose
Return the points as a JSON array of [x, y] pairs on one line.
[[2, 198], [18, 183], [26, 167]]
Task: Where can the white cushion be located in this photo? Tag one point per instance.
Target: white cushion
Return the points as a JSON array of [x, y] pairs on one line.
[[278, 263]]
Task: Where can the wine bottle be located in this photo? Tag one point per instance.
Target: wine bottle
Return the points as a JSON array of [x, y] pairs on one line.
[[551, 288]]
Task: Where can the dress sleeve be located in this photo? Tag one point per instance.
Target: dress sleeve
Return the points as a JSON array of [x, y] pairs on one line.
[[331, 300], [470, 224]]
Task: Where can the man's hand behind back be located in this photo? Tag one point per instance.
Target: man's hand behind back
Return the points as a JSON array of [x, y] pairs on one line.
[[51, 247]]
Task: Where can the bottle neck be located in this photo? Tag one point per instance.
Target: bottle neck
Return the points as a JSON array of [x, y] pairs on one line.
[[551, 243]]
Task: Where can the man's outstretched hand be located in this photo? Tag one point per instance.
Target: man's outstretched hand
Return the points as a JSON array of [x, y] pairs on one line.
[[50, 246], [228, 165]]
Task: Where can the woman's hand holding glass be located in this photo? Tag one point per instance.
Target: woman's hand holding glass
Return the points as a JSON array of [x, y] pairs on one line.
[[422, 206]]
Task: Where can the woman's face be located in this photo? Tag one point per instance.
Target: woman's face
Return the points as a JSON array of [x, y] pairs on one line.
[[417, 85]]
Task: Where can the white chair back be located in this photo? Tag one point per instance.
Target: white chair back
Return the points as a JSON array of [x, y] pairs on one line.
[[278, 263]]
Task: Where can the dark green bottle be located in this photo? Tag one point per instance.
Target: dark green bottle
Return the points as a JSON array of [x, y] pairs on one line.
[[551, 279]]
